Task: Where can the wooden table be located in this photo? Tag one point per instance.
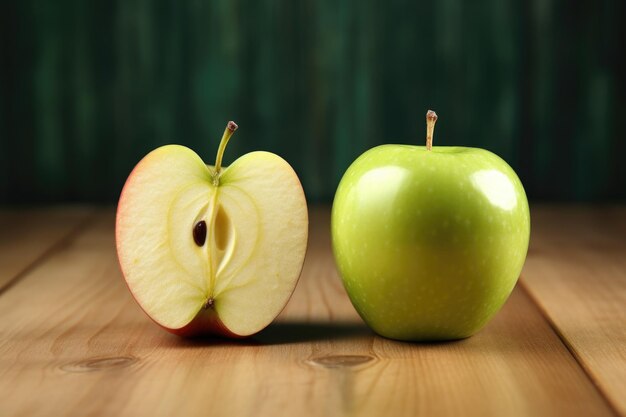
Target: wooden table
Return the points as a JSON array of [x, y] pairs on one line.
[[73, 341]]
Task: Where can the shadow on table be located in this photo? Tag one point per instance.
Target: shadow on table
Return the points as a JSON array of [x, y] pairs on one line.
[[284, 333], [303, 332]]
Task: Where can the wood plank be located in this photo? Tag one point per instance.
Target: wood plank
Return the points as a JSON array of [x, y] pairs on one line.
[[27, 235], [95, 353], [576, 272]]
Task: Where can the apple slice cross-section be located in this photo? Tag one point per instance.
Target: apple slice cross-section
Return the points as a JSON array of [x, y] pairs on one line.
[[206, 249]]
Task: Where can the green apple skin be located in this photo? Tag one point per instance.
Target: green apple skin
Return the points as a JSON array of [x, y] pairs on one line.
[[429, 244]]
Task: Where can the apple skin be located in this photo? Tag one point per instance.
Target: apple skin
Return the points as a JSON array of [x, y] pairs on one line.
[[205, 323], [429, 244]]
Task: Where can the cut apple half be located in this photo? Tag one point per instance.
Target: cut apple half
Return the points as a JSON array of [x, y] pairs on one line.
[[206, 249]]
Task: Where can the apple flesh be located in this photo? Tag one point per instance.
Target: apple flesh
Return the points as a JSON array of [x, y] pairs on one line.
[[429, 242], [208, 249]]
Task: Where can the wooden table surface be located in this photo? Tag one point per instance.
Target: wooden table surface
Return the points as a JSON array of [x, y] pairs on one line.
[[73, 341]]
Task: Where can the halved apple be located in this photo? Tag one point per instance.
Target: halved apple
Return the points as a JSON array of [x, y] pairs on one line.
[[208, 249]]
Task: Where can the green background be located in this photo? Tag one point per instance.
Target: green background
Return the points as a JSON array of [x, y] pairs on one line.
[[88, 87]]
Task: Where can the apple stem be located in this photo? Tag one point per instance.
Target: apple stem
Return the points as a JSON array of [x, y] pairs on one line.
[[228, 132], [431, 119]]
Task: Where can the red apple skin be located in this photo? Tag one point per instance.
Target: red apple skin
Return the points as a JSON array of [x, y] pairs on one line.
[[206, 322]]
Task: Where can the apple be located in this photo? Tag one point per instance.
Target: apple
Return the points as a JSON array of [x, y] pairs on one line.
[[211, 249], [429, 241]]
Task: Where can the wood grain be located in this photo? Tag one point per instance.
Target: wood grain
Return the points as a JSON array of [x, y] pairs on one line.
[[27, 235], [576, 272], [73, 342]]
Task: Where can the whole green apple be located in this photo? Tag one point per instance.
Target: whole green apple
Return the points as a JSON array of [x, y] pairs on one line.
[[429, 241]]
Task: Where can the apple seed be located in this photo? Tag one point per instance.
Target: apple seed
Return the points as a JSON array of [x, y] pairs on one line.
[[199, 233]]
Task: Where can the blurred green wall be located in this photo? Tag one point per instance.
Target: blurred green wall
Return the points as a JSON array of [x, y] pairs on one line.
[[88, 87]]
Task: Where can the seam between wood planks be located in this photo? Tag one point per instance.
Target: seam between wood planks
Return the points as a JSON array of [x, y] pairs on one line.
[[569, 348], [52, 249]]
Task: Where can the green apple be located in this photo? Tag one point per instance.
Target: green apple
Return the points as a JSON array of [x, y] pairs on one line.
[[209, 249], [429, 241]]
